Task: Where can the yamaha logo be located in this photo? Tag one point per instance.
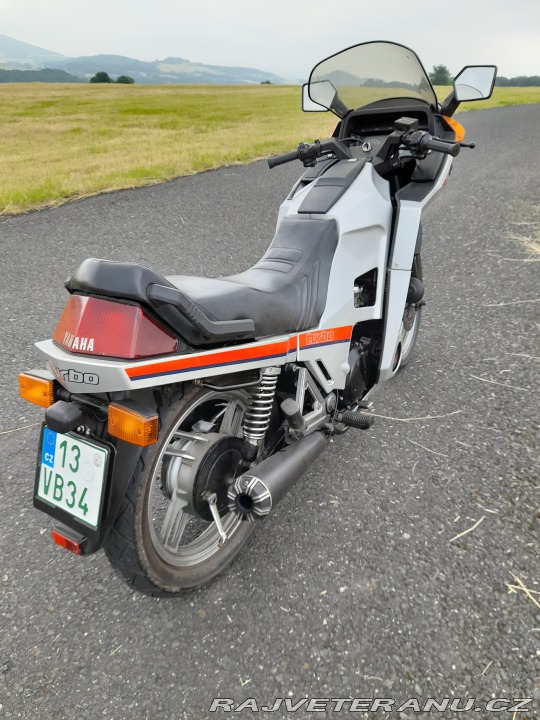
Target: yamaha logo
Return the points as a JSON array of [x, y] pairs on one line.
[[73, 342]]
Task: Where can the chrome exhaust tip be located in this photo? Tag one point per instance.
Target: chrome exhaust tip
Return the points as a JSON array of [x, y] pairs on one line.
[[253, 497], [249, 497]]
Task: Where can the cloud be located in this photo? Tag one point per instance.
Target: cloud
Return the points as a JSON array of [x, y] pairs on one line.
[[283, 36]]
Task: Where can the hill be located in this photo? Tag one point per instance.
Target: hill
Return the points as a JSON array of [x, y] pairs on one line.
[[171, 70], [45, 75], [167, 71], [17, 54]]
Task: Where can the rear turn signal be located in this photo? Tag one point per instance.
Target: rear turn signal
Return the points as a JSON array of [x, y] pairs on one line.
[[36, 390], [131, 426]]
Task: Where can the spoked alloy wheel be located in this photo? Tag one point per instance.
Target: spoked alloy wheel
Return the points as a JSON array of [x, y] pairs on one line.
[[178, 534], [166, 539]]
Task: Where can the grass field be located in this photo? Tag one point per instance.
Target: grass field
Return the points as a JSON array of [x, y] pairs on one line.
[[66, 141]]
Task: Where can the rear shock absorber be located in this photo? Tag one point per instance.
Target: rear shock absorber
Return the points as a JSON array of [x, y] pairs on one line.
[[257, 416]]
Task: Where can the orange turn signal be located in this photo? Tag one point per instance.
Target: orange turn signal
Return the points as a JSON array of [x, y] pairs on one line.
[[458, 128], [132, 427], [37, 390]]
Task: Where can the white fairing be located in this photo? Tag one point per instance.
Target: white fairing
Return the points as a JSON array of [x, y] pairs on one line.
[[400, 265], [364, 218]]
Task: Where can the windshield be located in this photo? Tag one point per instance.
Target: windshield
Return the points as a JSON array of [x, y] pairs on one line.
[[366, 73]]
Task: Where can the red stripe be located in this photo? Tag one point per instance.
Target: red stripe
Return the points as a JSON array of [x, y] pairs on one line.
[[243, 354], [210, 359]]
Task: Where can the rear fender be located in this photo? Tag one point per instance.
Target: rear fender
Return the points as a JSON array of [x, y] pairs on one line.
[[123, 462]]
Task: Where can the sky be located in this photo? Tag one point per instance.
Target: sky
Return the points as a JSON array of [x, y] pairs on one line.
[[286, 37]]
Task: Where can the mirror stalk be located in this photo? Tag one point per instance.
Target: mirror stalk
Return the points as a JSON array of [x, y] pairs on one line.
[[449, 105]]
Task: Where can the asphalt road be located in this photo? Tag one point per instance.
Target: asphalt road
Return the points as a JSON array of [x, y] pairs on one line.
[[353, 587]]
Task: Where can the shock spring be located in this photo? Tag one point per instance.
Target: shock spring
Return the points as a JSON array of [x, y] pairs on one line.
[[257, 416]]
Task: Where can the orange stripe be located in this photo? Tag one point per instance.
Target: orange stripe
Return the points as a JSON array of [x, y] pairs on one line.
[[317, 337], [207, 359]]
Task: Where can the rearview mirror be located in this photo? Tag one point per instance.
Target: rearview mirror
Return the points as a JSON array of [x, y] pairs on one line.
[[308, 105], [475, 82]]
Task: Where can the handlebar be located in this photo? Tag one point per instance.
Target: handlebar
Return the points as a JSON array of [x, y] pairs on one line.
[[430, 143], [420, 141], [308, 154], [282, 159], [417, 141]]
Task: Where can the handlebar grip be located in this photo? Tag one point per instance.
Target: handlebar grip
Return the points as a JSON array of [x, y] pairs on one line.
[[282, 159], [429, 143]]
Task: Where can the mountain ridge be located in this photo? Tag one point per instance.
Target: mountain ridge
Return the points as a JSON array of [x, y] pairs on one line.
[[16, 54]]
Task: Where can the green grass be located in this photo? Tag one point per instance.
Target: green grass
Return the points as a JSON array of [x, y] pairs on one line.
[[502, 96], [60, 141]]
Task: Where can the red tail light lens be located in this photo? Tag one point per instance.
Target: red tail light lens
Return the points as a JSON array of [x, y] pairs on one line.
[[66, 542], [92, 326]]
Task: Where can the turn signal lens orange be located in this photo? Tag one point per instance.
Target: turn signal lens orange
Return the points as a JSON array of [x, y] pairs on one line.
[[458, 128], [36, 390], [132, 427]]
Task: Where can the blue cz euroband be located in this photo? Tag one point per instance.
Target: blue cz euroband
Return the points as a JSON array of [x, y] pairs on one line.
[[48, 449]]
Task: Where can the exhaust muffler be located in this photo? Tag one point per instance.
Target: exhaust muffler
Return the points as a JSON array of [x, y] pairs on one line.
[[254, 494]]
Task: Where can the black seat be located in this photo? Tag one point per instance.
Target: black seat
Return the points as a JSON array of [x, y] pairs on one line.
[[284, 292]]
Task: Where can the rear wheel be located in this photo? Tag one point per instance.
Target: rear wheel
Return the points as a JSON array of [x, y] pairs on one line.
[[165, 539]]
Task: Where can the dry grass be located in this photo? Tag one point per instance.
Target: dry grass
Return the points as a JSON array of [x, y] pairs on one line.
[[502, 96], [65, 141], [62, 141], [528, 234]]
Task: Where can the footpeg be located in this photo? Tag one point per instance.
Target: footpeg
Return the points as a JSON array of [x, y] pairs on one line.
[[292, 412], [359, 420]]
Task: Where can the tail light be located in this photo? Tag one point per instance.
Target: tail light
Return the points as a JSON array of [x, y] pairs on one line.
[[92, 326]]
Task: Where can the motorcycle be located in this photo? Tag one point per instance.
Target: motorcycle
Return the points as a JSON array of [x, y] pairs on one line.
[[180, 410]]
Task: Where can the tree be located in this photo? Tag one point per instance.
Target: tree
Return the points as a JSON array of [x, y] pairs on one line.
[[440, 75], [125, 80], [266, 82], [520, 81], [101, 77]]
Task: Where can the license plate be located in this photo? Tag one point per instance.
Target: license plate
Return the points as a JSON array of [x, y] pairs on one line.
[[71, 476]]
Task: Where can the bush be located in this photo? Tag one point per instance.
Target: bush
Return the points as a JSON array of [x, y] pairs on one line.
[[101, 77], [125, 80]]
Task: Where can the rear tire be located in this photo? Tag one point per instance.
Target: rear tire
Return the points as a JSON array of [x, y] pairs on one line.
[[411, 314], [148, 548]]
